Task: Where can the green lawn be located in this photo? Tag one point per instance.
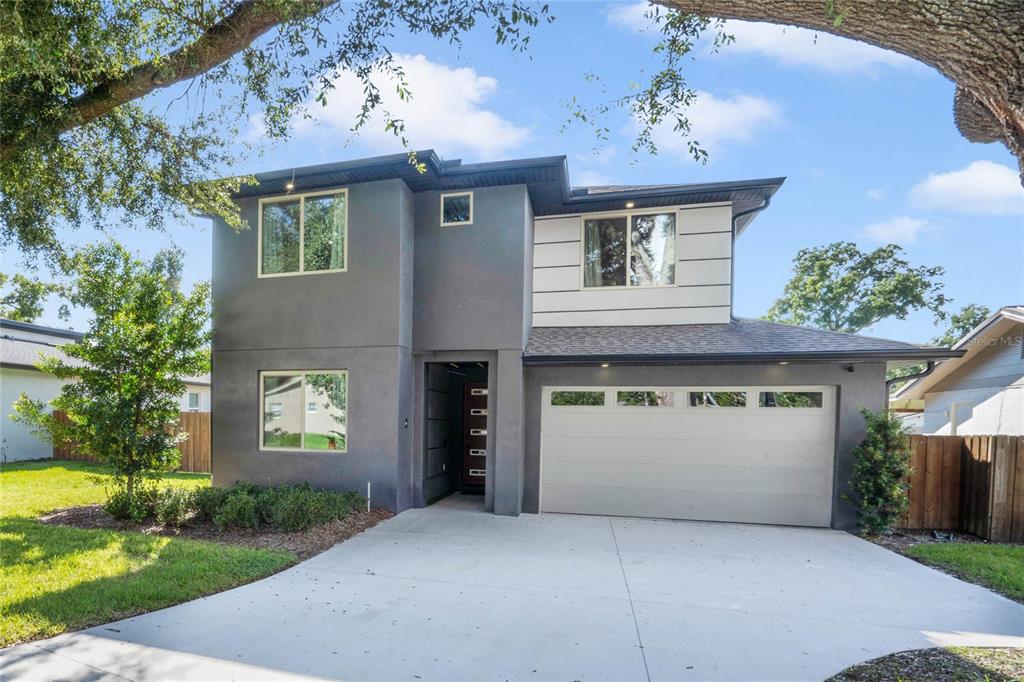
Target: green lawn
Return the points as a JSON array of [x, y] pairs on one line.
[[1000, 567], [56, 578]]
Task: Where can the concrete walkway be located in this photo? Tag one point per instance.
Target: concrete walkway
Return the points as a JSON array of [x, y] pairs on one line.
[[449, 593]]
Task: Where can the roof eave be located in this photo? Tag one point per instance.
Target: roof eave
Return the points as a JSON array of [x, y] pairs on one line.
[[726, 358]]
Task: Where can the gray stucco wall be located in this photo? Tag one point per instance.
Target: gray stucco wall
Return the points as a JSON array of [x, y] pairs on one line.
[[361, 307], [865, 386], [359, 320], [468, 288]]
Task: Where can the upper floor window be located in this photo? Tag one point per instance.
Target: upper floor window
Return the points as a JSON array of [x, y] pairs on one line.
[[630, 250], [303, 233], [457, 209]]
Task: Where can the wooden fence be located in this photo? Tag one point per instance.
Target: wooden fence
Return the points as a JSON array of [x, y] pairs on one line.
[[973, 484], [195, 452]]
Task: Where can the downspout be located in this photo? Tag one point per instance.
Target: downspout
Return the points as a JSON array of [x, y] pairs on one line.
[[929, 368], [732, 254]]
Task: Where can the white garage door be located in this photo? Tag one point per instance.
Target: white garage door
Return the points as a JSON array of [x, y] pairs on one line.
[[744, 454]]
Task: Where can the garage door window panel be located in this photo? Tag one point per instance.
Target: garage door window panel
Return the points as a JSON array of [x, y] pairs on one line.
[[645, 398], [718, 399], [577, 398], [791, 399]]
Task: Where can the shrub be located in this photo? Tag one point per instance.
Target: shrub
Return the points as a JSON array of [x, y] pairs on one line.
[[237, 511], [283, 507], [173, 506], [206, 501], [134, 505], [880, 470]]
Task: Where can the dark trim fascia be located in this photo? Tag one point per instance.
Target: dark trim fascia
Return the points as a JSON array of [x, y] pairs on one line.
[[715, 358], [39, 329], [770, 184]]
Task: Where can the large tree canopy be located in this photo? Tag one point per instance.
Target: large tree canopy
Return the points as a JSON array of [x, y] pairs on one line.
[[83, 139], [77, 144], [977, 44], [843, 289]]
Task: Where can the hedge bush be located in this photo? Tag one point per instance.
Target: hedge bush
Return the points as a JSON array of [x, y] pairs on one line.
[[880, 470], [284, 507]]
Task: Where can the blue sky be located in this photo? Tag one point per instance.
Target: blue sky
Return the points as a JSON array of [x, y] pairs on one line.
[[865, 138]]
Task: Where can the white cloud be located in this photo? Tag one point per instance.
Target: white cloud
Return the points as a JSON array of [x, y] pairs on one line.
[[717, 121], [981, 188], [631, 16], [447, 110], [794, 46], [788, 45], [898, 230], [876, 193]]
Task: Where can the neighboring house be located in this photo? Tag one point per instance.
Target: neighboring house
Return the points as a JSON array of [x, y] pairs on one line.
[[486, 328], [21, 345], [981, 392]]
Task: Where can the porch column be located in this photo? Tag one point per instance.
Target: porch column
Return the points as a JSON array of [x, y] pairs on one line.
[[508, 437]]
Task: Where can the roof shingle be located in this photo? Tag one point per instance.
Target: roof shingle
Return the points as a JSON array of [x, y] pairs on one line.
[[739, 340]]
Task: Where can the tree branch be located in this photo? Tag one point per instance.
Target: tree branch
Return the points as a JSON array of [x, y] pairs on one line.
[[237, 30], [978, 44]]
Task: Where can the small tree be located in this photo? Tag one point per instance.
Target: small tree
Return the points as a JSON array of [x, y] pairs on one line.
[[880, 471], [125, 375]]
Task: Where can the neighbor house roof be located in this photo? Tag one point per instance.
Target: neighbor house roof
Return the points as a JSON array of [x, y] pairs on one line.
[[19, 349], [741, 340], [546, 179], [975, 341]]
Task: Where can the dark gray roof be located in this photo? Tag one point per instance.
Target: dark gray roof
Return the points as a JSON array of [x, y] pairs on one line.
[[546, 179], [24, 353], [39, 329], [742, 340]]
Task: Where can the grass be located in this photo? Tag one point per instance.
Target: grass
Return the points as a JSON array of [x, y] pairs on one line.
[[54, 578], [996, 566]]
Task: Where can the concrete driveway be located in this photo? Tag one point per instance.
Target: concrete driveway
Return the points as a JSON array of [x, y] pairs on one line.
[[449, 592]]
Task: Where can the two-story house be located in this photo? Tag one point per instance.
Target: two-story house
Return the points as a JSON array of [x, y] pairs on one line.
[[486, 328]]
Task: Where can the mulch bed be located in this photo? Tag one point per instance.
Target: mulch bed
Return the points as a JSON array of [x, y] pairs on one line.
[[303, 544], [940, 665], [900, 541]]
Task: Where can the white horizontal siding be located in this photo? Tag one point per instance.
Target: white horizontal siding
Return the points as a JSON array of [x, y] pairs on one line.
[[703, 276], [634, 317], [706, 245], [705, 219], [694, 272], [556, 254], [565, 278], [556, 229], [627, 298]]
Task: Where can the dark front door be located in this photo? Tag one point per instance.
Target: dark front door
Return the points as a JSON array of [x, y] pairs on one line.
[[474, 437]]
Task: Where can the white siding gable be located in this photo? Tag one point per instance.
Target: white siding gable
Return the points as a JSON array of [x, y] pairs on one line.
[[703, 278]]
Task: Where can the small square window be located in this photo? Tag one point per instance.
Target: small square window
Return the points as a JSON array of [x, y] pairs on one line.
[[457, 209], [311, 407], [193, 402]]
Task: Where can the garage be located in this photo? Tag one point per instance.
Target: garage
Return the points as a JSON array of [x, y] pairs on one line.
[[760, 454]]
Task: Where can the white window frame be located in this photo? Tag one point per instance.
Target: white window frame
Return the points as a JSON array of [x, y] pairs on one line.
[[199, 401], [283, 198], [302, 431], [745, 392], [628, 215], [444, 195]]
